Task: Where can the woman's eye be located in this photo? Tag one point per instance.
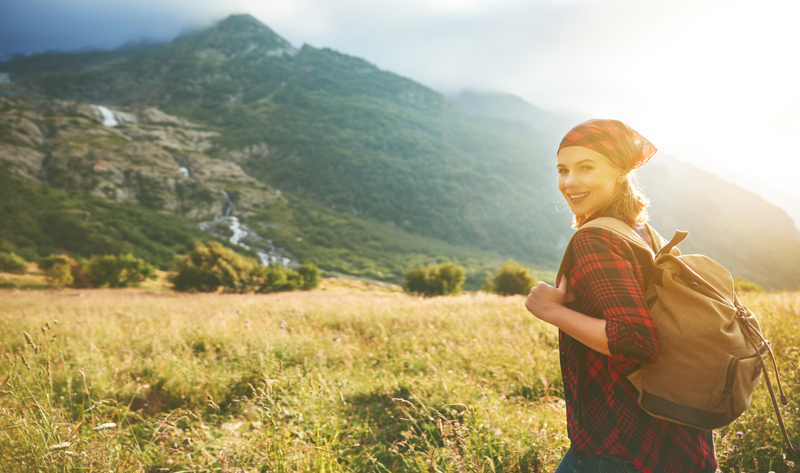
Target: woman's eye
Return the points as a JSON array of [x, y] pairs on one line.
[[562, 171], [586, 168]]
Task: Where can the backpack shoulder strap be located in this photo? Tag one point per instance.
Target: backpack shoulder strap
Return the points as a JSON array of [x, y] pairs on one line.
[[625, 232]]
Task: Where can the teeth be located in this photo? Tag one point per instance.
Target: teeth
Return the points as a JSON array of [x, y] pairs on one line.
[[578, 196]]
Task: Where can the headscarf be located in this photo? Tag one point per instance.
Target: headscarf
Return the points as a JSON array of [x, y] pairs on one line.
[[618, 142]]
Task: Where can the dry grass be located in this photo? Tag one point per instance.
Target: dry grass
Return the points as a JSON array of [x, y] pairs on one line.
[[344, 378]]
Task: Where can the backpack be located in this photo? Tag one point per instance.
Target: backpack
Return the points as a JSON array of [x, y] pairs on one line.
[[711, 349]]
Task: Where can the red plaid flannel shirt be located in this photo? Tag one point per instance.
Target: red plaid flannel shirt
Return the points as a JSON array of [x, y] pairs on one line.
[[608, 283]]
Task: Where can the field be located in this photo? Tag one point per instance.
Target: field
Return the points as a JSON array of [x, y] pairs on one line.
[[348, 377]]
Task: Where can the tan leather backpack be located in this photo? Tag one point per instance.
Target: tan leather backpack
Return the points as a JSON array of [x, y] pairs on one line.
[[711, 349]]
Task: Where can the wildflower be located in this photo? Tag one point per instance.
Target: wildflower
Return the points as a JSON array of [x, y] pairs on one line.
[[238, 312], [283, 324], [60, 446], [498, 432], [790, 463], [107, 425], [740, 434]]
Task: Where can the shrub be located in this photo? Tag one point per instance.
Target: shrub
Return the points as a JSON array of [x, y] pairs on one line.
[[118, 271], [512, 278], [211, 266], [429, 280], [311, 276], [741, 284], [12, 263], [278, 278], [58, 269]]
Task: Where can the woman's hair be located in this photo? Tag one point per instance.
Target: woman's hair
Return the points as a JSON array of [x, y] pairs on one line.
[[629, 205]]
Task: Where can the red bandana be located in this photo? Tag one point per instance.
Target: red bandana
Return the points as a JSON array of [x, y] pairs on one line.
[[618, 142]]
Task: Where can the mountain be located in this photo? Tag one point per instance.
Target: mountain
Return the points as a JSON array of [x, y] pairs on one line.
[[323, 154], [511, 107]]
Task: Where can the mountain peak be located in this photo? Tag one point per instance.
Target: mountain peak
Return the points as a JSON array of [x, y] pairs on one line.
[[241, 23], [238, 33]]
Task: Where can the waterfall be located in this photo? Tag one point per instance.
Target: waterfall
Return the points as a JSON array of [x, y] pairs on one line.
[[109, 119], [230, 205]]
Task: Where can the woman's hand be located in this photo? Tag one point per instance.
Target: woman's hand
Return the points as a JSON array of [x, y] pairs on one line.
[[544, 299], [547, 304]]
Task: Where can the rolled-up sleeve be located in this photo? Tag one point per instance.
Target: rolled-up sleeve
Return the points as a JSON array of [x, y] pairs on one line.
[[608, 284]]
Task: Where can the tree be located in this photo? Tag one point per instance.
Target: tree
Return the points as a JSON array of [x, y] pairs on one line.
[[57, 269], [212, 266], [118, 271], [11, 263], [430, 280], [512, 278]]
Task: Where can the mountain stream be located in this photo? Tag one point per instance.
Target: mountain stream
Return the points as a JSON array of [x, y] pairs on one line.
[[242, 232]]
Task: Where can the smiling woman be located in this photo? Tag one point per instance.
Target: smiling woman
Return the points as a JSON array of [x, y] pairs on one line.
[[596, 169], [607, 329]]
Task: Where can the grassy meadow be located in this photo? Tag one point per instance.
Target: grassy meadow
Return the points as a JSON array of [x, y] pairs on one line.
[[347, 377]]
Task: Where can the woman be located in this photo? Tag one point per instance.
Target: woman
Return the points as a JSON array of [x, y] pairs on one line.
[[611, 332]]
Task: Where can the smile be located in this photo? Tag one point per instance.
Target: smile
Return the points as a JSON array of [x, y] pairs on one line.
[[578, 196]]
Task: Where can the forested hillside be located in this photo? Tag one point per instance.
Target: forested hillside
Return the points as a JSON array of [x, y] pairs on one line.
[[374, 170]]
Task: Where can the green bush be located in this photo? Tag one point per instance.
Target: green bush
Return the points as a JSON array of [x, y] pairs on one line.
[[58, 269], [430, 280], [11, 263], [511, 278], [741, 284], [211, 266], [278, 278], [118, 271], [311, 276]]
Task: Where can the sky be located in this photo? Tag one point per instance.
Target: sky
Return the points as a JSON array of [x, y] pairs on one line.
[[712, 82]]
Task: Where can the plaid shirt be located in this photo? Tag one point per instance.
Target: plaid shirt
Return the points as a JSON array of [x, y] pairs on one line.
[[608, 283]]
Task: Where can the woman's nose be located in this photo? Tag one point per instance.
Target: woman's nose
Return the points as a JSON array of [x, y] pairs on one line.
[[570, 180]]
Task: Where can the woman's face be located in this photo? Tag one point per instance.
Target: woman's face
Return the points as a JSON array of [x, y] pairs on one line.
[[587, 179]]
